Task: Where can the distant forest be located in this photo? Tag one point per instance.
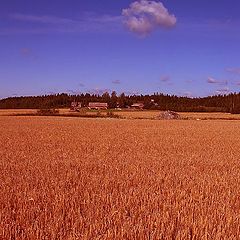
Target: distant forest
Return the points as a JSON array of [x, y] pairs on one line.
[[157, 101]]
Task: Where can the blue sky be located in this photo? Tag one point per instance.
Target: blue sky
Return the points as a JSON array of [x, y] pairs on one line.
[[185, 47]]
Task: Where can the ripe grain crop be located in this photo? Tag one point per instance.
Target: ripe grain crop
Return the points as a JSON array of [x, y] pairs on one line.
[[72, 178]]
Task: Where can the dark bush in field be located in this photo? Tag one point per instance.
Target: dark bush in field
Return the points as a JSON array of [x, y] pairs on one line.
[[48, 112]]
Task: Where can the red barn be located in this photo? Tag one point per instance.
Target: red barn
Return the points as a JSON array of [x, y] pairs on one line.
[[137, 106], [97, 105]]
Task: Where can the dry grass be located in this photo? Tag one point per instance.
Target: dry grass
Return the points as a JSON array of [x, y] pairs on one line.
[[71, 178]]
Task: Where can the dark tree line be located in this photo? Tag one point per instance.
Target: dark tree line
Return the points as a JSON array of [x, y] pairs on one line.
[[156, 101]]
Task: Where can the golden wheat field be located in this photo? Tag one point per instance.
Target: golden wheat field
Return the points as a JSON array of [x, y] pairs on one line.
[[73, 178]]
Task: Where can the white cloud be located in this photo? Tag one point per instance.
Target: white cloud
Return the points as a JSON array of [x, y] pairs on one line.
[[144, 16]]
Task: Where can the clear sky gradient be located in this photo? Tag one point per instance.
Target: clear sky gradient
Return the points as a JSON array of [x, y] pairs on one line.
[[78, 46]]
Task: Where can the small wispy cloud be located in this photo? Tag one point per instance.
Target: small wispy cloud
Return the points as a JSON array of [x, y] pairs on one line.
[[43, 24], [49, 19], [212, 80], [165, 78], [221, 91], [81, 84], [25, 52], [233, 70], [41, 19], [28, 53], [116, 81], [143, 16], [104, 19]]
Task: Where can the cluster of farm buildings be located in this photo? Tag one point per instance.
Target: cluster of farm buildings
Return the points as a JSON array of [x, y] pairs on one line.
[[76, 106]]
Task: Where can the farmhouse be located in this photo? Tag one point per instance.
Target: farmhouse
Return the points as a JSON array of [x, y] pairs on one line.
[[137, 106], [97, 105], [75, 106]]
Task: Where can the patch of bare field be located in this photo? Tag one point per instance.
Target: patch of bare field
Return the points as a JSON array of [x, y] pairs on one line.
[[72, 178]]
